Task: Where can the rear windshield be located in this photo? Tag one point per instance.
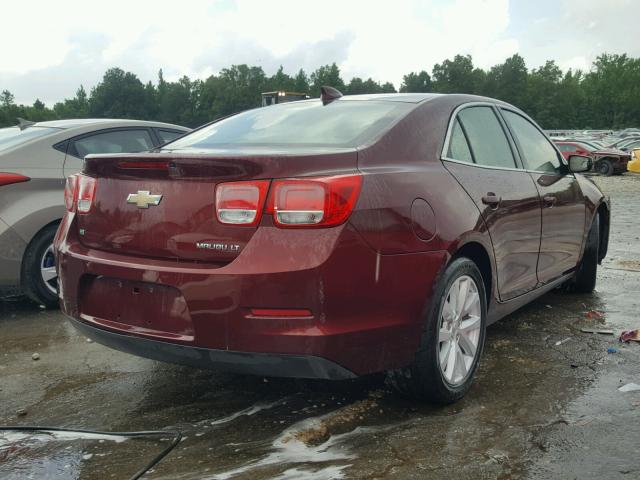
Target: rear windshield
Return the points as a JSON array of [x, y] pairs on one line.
[[12, 136], [339, 124]]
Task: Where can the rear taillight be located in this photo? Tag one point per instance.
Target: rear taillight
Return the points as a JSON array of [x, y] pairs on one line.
[[294, 202], [9, 178], [79, 193], [86, 190], [313, 202], [70, 192], [241, 203]]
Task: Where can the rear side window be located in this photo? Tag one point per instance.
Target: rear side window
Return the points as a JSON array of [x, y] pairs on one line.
[[487, 139], [167, 136], [341, 123], [458, 146], [117, 141], [537, 151], [13, 137]]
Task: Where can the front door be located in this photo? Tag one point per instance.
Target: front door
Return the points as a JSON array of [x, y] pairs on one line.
[[563, 205], [480, 156]]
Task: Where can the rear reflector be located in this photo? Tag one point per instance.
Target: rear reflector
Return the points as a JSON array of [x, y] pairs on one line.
[[280, 312], [10, 178], [314, 202], [86, 191], [241, 203]]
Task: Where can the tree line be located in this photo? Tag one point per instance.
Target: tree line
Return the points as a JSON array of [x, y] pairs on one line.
[[606, 97]]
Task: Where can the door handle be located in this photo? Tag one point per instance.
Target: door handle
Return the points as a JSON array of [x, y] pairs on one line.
[[492, 200], [550, 200]]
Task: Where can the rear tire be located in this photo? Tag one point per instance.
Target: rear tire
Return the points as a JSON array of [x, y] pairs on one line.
[[605, 167], [585, 278], [37, 264], [431, 377]]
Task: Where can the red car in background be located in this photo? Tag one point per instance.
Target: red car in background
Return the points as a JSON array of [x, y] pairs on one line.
[[330, 238], [605, 161]]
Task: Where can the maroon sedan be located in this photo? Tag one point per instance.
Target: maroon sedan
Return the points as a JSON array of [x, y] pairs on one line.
[[330, 238]]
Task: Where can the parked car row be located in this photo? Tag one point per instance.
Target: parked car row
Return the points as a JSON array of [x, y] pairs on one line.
[[606, 161], [35, 159]]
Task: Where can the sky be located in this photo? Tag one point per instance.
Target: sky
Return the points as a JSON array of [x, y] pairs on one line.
[[49, 48]]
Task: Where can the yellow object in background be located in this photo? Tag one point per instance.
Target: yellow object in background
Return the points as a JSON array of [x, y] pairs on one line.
[[634, 164]]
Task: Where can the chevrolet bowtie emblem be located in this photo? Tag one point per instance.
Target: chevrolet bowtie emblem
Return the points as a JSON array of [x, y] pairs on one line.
[[143, 199]]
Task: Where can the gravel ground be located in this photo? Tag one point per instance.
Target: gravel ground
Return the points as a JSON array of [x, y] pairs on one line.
[[545, 404]]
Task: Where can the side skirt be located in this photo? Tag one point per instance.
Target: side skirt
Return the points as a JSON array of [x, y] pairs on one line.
[[500, 310]]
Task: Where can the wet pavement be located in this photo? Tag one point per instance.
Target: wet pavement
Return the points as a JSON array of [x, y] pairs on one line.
[[545, 403]]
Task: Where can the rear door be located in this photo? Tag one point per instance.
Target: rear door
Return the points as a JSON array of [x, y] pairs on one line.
[[563, 205], [479, 154], [114, 140]]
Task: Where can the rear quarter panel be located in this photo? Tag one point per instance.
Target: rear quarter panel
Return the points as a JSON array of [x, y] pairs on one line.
[[403, 166], [28, 207]]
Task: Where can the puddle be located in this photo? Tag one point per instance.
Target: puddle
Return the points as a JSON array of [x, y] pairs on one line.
[[72, 455]]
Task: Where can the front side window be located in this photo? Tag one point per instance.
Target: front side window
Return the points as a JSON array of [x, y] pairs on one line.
[[13, 137], [537, 152], [117, 141], [342, 123], [487, 140]]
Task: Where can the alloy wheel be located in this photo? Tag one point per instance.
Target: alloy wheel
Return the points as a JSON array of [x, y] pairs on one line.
[[459, 330], [48, 270]]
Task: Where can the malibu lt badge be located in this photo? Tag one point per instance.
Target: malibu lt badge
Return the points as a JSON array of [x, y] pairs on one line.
[[220, 247]]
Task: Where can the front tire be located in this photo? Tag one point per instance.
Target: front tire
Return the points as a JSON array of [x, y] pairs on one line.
[[452, 340], [605, 167], [586, 274], [39, 277]]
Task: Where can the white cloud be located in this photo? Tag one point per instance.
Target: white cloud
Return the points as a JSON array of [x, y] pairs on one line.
[[72, 42]]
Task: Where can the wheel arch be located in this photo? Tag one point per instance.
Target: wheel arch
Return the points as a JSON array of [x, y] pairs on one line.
[[479, 254], [33, 239], [604, 217]]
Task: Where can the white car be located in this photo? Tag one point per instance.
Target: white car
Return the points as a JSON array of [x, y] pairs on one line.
[[35, 159]]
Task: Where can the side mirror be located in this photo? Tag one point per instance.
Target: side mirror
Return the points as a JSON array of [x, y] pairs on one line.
[[580, 163]]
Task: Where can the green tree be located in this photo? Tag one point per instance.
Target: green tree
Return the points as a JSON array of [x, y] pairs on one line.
[[121, 95], [281, 81], [327, 75], [612, 92], [458, 76], [6, 99], [358, 86], [543, 91], [301, 82], [416, 82], [508, 81]]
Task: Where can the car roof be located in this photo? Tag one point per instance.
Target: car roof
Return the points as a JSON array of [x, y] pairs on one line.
[[105, 123], [394, 97]]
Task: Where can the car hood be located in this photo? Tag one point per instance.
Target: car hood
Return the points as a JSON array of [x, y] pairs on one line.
[[609, 151]]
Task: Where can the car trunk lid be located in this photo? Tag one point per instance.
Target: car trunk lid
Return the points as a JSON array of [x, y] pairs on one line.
[[162, 205]]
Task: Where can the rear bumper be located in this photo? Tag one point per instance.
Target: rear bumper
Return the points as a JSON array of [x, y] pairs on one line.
[[250, 363], [366, 308]]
